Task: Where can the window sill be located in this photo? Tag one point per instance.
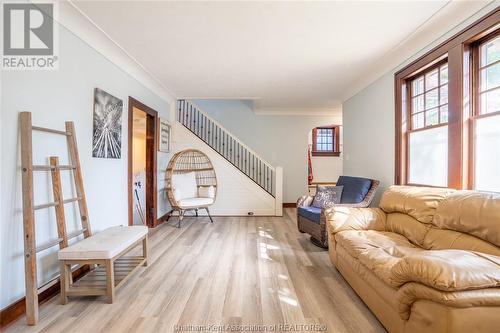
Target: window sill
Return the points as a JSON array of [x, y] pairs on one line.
[[325, 153]]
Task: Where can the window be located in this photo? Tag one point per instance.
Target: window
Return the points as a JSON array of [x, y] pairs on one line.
[[486, 120], [489, 76], [429, 98], [428, 133], [326, 141], [448, 112]]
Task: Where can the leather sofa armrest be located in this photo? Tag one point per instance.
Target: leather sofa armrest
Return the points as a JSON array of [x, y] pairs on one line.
[[344, 218], [305, 201], [413, 292]]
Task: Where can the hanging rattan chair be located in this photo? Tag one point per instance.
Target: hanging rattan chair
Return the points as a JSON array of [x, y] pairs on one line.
[[191, 182]]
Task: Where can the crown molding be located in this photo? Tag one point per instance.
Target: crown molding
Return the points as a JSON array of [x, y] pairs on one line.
[[318, 112], [77, 22]]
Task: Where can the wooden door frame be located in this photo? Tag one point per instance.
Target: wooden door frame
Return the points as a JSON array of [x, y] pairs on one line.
[[151, 165]]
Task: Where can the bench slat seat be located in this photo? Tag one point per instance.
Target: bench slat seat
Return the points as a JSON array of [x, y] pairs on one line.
[[104, 245]]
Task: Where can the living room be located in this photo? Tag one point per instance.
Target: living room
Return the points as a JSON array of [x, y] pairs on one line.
[[250, 166]]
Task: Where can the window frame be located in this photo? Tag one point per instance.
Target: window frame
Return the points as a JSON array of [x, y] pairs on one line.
[[475, 113], [459, 51], [335, 141], [410, 95]]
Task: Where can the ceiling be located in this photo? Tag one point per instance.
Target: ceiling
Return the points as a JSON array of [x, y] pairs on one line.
[[282, 55]]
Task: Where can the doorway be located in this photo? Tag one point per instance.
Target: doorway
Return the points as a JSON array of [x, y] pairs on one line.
[[142, 198]]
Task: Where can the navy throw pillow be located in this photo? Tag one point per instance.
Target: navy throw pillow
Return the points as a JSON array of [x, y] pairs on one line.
[[355, 189]]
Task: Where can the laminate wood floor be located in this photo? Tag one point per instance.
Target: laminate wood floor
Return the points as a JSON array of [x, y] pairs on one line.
[[252, 271]]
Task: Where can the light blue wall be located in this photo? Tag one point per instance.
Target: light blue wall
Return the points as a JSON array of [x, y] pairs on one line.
[[54, 97], [281, 140], [369, 121]]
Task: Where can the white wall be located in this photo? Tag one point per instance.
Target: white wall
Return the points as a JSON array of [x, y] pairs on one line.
[[280, 140], [327, 168], [236, 193], [54, 97], [369, 121]]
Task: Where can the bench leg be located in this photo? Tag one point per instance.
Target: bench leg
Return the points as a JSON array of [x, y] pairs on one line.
[[64, 277], [145, 250], [110, 281]]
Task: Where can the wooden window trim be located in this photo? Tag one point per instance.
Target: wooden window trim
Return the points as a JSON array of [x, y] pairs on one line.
[[457, 50], [475, 113], [476, 69], [336, 142], [410, 95]]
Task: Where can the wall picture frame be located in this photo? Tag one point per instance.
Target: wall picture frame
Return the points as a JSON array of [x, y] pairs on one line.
[[107, 125], [164, 135]]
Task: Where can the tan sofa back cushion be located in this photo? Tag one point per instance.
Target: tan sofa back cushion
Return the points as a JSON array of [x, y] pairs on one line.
[[471, 212], [418, 202], [407, 226], [437, 239]]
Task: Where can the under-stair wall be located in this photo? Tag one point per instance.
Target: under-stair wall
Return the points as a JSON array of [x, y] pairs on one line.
[[237, 194]]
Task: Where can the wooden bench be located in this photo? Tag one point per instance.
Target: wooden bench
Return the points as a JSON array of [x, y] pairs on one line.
[[105, 249]]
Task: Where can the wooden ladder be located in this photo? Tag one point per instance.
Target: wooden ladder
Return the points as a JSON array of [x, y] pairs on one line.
[[27, 167]]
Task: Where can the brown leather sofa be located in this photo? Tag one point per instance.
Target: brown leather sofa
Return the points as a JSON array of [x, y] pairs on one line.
[[427, 260]]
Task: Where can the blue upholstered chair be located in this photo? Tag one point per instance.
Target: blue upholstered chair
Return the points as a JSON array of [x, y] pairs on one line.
[[358, 193]]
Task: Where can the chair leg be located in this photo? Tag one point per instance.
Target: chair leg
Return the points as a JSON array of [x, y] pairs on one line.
[[169, 215], [209, 216], [181, 216]]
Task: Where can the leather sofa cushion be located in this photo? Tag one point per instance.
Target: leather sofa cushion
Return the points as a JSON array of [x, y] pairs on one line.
[[448, 270], [407, 226], [310, 213], [437, 239], [346, 218], [418, 202], [378, 251], [471, 212], [357, 242], [355, 189]]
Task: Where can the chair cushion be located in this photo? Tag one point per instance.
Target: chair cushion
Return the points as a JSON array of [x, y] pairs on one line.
[[105, 244], [184, 185], [310, 213], [327, 195], [355, 189], [206, 192], [195, 202]]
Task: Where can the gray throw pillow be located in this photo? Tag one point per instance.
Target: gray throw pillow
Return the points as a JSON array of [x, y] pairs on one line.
[[327, 195]]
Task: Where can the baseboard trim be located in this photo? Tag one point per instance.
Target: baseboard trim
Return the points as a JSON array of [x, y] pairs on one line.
[[289, 204], [17, 309]]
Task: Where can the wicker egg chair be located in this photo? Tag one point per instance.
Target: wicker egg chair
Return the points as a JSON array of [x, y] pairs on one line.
[[191, 183]]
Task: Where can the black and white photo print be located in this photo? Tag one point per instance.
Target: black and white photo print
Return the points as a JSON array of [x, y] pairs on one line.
[[107, 134]]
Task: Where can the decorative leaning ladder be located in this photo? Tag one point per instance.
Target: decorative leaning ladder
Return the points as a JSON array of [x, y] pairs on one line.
[[27, 167]]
